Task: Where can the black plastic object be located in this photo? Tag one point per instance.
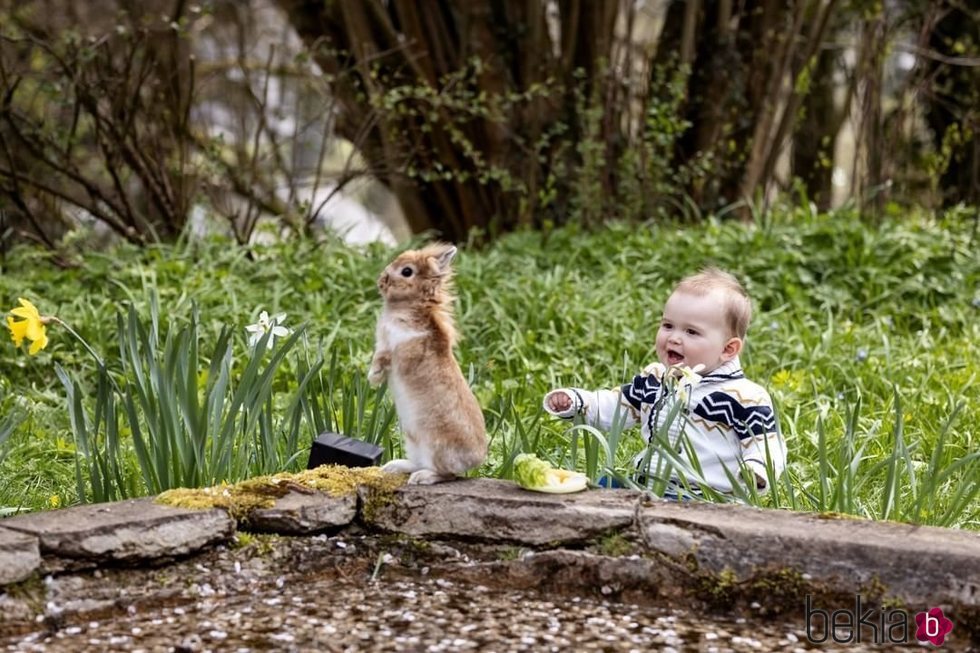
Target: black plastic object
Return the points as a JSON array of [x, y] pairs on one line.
[[337, 449]]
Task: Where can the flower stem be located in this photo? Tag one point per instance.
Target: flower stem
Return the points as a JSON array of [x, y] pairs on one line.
[[98, 359]]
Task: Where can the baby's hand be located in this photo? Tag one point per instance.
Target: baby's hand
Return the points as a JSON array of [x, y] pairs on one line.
[[559, 401]]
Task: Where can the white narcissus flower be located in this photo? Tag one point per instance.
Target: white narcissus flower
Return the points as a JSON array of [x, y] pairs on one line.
[[272, 325], [685, 378]]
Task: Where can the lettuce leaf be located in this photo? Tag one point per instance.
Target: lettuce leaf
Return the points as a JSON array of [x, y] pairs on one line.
[[532, 473]]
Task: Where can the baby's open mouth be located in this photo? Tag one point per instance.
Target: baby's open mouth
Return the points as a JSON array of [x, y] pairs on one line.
[[673, 358]]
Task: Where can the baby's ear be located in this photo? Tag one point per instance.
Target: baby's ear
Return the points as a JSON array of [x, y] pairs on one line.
[[732, 349]]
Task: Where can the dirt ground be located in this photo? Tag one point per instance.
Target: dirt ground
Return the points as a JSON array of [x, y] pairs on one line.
[[351, 593]]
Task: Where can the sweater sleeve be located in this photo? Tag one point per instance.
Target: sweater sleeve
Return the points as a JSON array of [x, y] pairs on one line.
[[602, 408], [762, 440], [599, 408]]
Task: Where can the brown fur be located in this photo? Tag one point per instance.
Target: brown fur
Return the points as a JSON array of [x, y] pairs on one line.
[[442, 421]]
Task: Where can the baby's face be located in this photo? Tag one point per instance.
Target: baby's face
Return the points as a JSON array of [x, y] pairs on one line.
[[693, 332]]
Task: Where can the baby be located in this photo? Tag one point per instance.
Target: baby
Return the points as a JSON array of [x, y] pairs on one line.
[[696, 394]]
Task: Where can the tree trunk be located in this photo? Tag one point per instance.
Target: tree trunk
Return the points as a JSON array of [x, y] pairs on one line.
[[953, 101], [816, 133], [456, 167], [734, 87], [495, 114]]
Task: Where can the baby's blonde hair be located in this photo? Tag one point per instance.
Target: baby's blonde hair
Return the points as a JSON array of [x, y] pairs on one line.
[[738, 306]]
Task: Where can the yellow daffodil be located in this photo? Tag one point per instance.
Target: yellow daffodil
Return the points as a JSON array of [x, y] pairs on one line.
[[30, 327]]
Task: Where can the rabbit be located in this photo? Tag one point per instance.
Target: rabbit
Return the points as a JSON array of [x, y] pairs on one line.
[[445, 434]]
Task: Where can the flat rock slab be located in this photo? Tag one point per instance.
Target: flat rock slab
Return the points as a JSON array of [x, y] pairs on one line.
[[20, 555], [304, 514], [916, 563], [502, 511], [124, 531], [776, 549], [620, 541]]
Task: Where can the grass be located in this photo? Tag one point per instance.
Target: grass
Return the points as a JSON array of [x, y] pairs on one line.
[[866, 336]]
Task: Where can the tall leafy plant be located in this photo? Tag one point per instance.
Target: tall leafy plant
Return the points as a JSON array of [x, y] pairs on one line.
[[184, 416], [8, 423]]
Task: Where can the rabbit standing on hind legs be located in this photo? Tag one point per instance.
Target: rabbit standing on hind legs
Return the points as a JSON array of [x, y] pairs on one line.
[[442, 422]]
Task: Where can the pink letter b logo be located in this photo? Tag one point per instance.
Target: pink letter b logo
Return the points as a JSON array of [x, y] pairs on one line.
[[932, 626]]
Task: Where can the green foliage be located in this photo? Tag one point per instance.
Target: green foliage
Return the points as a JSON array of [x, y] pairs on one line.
[[866, 339], [185, 408], [8, 422], [563, 149], [193, 418]]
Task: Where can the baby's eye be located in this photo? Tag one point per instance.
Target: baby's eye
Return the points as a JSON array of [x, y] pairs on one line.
[[666, 325], [692, 332], [406, 271]]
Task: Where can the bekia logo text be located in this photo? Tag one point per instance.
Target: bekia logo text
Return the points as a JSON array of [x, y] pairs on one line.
[[881, 626]]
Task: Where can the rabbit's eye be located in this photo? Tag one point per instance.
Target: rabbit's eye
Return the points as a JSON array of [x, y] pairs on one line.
[[406, 272]]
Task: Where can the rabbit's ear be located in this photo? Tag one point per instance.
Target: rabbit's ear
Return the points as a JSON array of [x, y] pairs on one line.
[[444, 259]]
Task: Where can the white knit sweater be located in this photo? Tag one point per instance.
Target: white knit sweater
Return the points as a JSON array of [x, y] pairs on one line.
[[727, 420]]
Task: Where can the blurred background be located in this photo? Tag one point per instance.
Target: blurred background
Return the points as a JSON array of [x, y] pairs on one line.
[[146, 120]]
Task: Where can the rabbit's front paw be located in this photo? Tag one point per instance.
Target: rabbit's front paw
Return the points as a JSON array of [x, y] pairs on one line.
[[379, 369], [376, 376]]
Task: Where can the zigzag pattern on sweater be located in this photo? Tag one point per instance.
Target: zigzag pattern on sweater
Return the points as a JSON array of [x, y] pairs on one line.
[[643, 390], [746, 421], [731, 420]]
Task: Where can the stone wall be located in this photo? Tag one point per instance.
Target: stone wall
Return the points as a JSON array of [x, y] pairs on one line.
[[617, 542]]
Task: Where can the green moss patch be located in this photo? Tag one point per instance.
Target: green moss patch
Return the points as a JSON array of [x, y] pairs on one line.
[[240, 499]]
